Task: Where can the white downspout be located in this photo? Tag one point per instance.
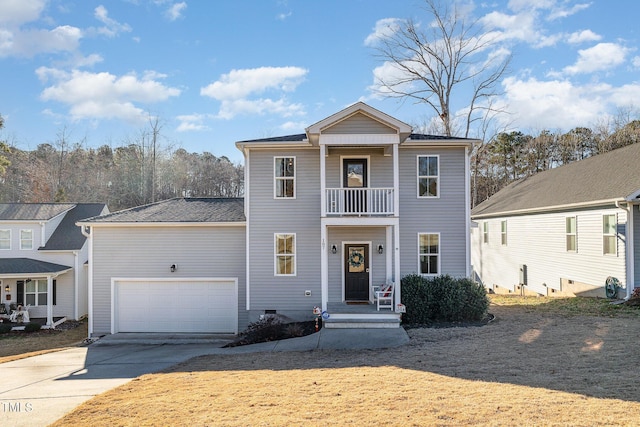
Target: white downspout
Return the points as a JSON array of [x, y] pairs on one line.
[[76, 286], [629, 247], [467, 212], [86, 232], [247, 229]]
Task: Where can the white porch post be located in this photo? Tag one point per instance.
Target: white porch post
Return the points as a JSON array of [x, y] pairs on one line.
[[324, 265], [388, 244], [49, 300]]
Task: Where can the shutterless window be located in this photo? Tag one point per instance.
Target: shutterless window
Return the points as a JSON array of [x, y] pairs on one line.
[[285, 254], [26, 239], [485, 232], [36, 292], [429, 253], [285, 177], [609, 225], [572, 234], [428, 176], [5, 239], [503, 232]]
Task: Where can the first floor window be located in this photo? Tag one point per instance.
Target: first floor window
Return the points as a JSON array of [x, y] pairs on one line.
[[26, 239], [36, 292], [429, 253], [503, 232], [285, 177], [285, 254], [572, 234], [5, 239], [485, 232], [428, 176], [609, 234]]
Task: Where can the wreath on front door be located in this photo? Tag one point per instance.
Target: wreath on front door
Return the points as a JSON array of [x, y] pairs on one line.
[[356, 259]]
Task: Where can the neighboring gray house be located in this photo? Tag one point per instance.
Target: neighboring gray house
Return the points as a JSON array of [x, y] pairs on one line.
[[563, 231], [42, 257], [356, 201]]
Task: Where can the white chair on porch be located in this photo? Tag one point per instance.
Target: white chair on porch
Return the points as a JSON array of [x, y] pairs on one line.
[[383, 294]]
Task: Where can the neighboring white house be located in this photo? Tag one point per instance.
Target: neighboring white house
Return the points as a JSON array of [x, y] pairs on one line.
[[563, 231], [42, 257], [356, 201]]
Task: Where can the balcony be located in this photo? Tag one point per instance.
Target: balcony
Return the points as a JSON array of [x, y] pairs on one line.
[[359, 201]]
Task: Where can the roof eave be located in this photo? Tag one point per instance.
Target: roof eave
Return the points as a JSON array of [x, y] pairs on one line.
[[162, 224], [569, 206]]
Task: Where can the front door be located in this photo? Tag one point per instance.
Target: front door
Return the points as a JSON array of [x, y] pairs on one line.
[[356, 280], [354, 179]]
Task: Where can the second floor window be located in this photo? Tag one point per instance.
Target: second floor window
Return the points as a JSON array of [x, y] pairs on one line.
[[428, 176], [285, 177], [26, 239], [5, 239]]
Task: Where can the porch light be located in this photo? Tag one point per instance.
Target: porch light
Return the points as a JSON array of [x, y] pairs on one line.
[[7, 288], [173, 268], [334, 249], [380, 249]]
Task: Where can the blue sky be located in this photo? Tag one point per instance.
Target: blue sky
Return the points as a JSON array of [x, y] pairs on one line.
[[216, 72]]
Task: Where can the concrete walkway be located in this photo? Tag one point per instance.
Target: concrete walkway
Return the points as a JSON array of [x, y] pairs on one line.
[[39, 390]]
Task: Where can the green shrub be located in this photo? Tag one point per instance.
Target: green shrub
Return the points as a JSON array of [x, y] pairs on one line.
[[442, 298], [5, 328], [32, 327]]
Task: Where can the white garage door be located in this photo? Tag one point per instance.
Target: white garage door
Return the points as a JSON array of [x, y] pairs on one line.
[[187, 305]]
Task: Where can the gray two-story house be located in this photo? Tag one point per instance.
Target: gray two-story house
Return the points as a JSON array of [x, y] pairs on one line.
[[355, 202], [43, 257]]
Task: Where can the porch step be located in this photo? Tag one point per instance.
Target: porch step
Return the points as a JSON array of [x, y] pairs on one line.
[[362, 321]]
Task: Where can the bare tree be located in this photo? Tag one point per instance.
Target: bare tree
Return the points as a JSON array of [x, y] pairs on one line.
[[429, 64]]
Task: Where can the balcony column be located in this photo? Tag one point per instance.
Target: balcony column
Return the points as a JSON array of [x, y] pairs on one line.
[[323, 181], [396, 181], [324, 265]]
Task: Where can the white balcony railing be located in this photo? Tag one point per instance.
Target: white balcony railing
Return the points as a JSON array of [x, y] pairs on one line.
[[359, 201]]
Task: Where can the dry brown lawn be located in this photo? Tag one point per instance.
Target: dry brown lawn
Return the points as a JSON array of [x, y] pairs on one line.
[[538, 363], [14, 346]]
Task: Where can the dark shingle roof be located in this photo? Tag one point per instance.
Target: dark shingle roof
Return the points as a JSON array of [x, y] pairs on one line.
[[184, 210], [68, 235], [286, 138], [32, 211], [413, 137], [605, 177], [29, 266], [426, 137]]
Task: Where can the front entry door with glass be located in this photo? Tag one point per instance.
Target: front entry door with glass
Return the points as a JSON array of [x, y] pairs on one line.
[[356, 280]]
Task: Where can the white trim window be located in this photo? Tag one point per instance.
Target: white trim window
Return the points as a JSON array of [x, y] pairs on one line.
[[571, 230], [26, 239], [609, 234], [428, 176], [35, 292], [503, 232], [284, 173], [485, 232], [429, 253], [5, 240], [285, 254]]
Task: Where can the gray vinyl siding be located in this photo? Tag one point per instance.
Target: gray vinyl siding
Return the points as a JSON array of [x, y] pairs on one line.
[[445, 215], [340, 235], [199, 251], [539, 242], [359, 124], [636, 244], [299, 216], [380, 167]]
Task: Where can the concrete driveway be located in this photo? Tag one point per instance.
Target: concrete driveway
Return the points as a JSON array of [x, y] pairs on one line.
[[39, 390]]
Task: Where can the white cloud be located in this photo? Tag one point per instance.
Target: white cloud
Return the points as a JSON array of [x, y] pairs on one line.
[[18, 12], [192, 122], [32, 42], [236, 89], [283, 16], [384, 28], [583, 36], [175, 11], [111, 27], [560, 11], [293, 126], [636, 61], [603, 56], [103, 95]]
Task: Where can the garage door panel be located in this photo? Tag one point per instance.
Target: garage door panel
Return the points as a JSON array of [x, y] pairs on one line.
[[176, 306]]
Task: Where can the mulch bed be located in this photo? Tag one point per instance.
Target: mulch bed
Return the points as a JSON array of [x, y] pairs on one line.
[[276, 332]]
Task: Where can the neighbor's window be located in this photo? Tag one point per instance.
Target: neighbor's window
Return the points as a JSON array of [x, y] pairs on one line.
[[428, 176], [5, 239], [572, 234], [609, 246], [36, 292], [503, 232], [285, 177], [485, 232], [26, 239], [285, 254], [429, 253]]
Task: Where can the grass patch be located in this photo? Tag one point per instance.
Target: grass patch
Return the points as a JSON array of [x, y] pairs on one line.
[[579, 306], [18, 345]]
